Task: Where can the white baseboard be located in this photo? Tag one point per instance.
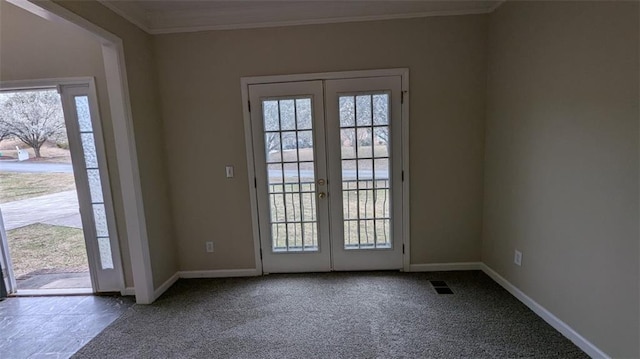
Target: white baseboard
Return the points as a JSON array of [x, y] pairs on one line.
[[546, 315], [220, 273], [437, 267], [128, 291], [166, 285], [223, 273]]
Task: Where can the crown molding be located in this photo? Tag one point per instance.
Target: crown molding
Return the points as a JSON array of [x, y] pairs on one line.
[[334, 20], [195, 20]]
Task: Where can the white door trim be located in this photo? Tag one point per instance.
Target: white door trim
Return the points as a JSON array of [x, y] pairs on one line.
[[120, 105], [253, 80], [5, 261]]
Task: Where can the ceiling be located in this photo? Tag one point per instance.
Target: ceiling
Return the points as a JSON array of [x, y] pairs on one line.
[[161, 17]]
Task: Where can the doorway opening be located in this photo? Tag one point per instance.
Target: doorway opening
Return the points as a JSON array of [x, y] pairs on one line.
[[61, 237], [38, 195]]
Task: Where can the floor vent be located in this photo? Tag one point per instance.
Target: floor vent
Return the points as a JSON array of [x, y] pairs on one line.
[[441, 287]]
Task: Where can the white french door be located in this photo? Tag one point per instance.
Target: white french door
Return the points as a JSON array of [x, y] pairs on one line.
[[291, 176], [328, 167], [363, 119]]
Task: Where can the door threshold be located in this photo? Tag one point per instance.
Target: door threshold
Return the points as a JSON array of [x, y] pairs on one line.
[[51, 292]]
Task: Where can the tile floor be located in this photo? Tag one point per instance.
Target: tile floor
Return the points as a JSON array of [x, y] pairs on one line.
[[54, 327]]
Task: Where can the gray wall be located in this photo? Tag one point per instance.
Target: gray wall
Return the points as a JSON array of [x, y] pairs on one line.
[[199, 76], [561, 163]]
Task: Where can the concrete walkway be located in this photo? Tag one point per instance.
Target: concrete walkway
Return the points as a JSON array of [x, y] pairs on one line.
[[34, 167], [60, 209]]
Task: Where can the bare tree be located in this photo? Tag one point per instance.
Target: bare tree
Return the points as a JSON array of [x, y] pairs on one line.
[[32, 116], [364, 111], [4, 131], [282, 118]]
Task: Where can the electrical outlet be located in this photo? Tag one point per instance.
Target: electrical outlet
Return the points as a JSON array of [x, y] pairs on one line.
[[517, 258], [209, 247], [229, 171]]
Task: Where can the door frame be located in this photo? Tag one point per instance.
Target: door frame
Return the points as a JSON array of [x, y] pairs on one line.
[[251, 175], [82, 192]]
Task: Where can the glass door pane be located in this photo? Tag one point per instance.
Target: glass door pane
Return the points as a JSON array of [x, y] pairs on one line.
[[364, 154], [289, 155]]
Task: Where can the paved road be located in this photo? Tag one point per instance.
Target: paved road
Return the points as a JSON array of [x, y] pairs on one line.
[[34, 167], [346, 174], [60, 209]]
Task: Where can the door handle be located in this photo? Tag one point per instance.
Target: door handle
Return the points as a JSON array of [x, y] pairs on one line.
[[322, 195]]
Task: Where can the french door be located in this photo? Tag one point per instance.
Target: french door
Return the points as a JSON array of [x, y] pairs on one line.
[[328, 166]]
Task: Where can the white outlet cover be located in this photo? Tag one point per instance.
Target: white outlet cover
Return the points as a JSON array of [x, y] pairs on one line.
[[209, 246], [229, 171], [517, 258]]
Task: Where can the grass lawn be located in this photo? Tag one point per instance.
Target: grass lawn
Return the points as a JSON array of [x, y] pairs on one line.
[[49, 151], [16, 186], [45, 247], [360, 207]]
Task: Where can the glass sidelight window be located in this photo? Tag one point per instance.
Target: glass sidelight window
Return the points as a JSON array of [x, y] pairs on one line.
[[92, 169]]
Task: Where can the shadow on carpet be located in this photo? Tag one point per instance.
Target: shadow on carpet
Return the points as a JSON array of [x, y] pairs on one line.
[[333, 315]]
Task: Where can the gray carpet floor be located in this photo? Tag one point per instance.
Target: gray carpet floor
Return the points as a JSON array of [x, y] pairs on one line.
[[333, 315]]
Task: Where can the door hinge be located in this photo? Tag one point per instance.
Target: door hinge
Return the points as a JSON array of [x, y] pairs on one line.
[[403, 248], [255, 182], [401, 97], [402, 176], [260, 253], [249, 105]]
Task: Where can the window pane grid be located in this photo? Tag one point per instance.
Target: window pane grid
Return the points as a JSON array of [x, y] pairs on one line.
[[87, 139], [364, 130], [291, 179]]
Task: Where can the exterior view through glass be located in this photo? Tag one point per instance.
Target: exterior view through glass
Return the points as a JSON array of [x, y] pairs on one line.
[[95, 185], [289, 148], [365, 160]]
